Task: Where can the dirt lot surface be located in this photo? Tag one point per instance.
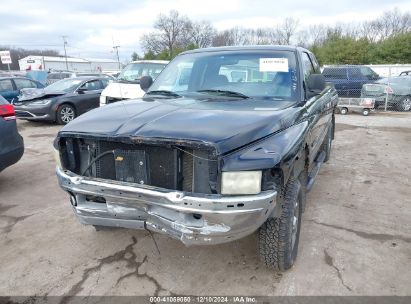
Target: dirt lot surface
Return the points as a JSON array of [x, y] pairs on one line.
[[355, 239]]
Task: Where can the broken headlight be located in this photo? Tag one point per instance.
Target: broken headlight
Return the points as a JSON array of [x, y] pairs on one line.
[[241, 182], [41, 102]]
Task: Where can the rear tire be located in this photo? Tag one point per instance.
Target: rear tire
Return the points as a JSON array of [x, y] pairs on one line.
[[279, 237], [343, 111], [65, 114], [365, 112]]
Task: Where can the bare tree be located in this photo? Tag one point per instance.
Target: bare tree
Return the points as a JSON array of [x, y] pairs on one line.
[[202, 33], [389, 24], [172, 31], [286, 30], [394, 22]]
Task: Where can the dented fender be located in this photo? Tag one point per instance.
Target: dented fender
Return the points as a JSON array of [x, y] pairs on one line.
[[279, 149]]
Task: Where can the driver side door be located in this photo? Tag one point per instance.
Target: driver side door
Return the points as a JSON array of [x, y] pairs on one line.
[[88, 95]]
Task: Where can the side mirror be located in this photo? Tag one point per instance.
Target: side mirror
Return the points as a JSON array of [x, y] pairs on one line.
[[315, 84], [146, 82], [81, 91]]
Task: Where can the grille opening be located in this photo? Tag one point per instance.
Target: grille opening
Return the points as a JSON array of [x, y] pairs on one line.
[[197, 216], [95, 199], [166, 166]]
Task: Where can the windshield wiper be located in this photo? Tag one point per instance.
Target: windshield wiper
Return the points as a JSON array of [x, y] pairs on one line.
[[225, 93], [163, 92]]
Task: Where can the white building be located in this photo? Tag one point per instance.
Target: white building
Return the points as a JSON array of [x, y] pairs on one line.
[[47, 63]]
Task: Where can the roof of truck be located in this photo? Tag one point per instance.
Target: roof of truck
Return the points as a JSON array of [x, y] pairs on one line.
[[247, 48]]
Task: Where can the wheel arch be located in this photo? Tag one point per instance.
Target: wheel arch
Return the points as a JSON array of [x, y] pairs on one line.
[[62, 103]]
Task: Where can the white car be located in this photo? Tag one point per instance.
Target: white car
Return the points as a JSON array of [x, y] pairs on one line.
[[127, 84]]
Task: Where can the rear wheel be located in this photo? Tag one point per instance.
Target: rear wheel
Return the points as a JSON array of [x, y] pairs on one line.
[[405, 104], [279, 237], [65, 114], [343, 111], [365, 112]]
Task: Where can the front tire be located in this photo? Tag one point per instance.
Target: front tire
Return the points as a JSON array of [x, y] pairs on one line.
[[344, 111], [279, 237], [65, 114], [405, 104]]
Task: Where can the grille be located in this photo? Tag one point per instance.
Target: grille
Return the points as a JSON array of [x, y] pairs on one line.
[[168, 166]]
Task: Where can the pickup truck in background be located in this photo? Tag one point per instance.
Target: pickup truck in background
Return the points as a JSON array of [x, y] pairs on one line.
[[225, 143], [349, 79]]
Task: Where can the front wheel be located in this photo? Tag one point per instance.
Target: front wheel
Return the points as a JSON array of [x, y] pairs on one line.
[[279, 237], [405, 104], [344, 111], [65, 114]]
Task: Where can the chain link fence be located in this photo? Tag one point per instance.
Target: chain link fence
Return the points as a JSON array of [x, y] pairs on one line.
[[371, 88]]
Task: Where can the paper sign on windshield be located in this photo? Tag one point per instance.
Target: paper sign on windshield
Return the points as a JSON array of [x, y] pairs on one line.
[[273, 64]]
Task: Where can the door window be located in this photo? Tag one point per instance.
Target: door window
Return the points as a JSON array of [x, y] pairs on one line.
[[308, 68], [24, 83], [335, 73], [91, 85], [6, 85], [105, 82], [356, 73]]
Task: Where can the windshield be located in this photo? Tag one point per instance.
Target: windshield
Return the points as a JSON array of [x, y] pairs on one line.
[[64, 85], [263, 74], [134, 71]]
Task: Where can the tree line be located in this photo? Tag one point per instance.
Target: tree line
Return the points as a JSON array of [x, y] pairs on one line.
[[386, 39]]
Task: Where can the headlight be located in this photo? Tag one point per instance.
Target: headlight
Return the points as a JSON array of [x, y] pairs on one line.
[[241, 182], [41, 102]]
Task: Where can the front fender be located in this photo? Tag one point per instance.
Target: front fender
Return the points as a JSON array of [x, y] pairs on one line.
[[280, 148]]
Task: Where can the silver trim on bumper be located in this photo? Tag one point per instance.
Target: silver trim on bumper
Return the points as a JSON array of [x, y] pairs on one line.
[[33, 116], [191, 218]]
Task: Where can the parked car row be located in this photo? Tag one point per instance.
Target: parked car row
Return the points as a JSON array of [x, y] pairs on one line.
[[56, 76], [355, 81]]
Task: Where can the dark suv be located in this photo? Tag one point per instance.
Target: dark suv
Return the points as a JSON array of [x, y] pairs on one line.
[[348, 79]]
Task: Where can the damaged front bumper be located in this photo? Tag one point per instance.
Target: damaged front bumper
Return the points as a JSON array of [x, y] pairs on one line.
[[191, 218]]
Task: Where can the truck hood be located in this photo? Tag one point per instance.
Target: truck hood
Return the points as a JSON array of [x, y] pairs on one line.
[[123, 90], [225, 124]]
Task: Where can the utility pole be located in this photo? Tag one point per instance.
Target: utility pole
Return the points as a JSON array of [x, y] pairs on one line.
[[65, 52], [118, 58]]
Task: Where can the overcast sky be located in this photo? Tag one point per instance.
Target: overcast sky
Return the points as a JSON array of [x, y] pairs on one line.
[[93, 25]]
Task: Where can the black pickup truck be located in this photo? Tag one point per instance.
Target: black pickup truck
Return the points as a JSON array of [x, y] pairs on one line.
[[225, 142]]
